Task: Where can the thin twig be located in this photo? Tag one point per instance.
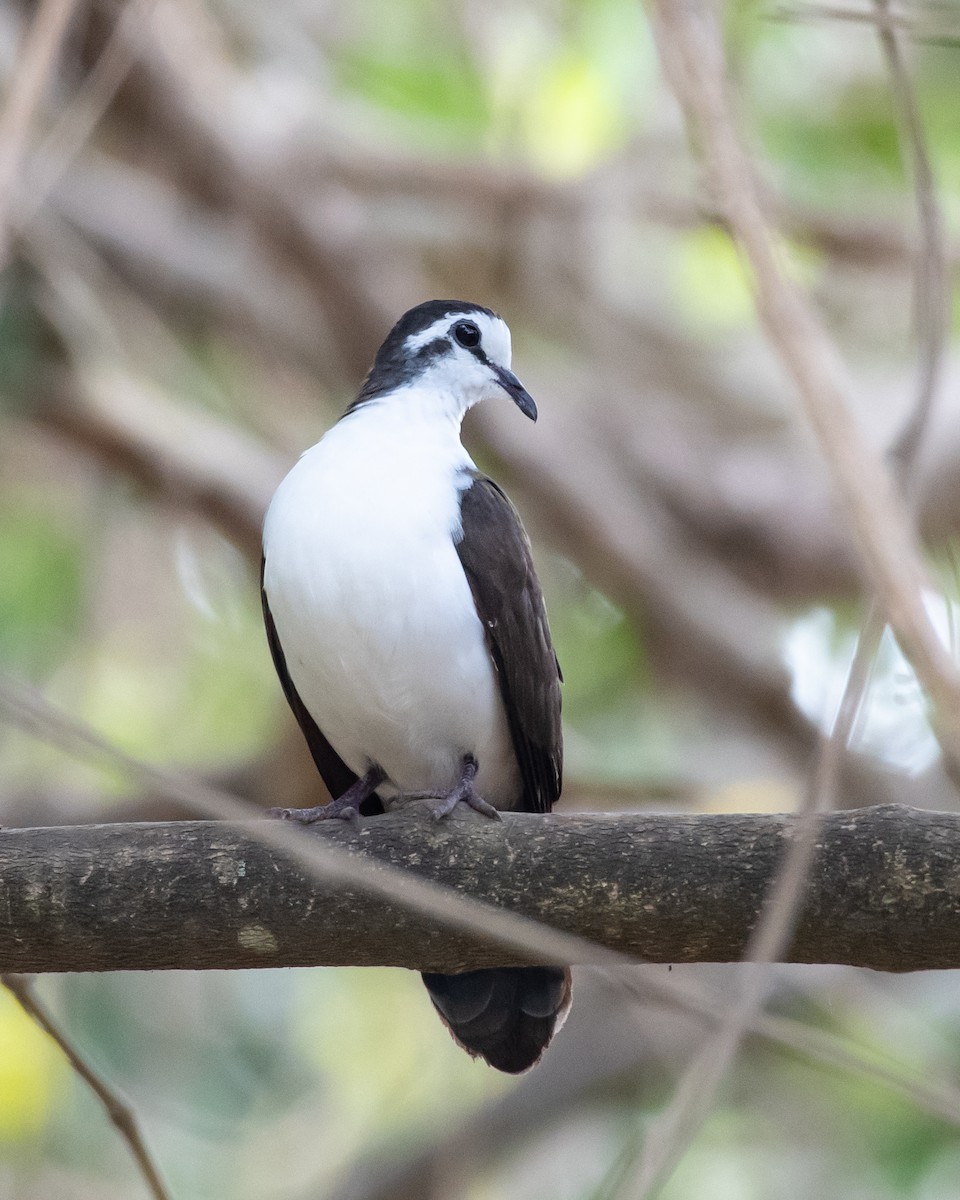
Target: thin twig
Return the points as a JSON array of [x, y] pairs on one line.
[[821, 1046], [590, 1072], [118, 1110], [692, 57], [931, 284], [672, 1131], [72, 131], [670, 1134], [834, 12], [931, 300], [926, 23], [33, 68]]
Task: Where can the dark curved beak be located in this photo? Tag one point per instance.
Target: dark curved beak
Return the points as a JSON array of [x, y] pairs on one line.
[[517, 392]]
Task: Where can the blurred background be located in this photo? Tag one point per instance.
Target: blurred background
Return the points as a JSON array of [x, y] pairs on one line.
[[209, 218]]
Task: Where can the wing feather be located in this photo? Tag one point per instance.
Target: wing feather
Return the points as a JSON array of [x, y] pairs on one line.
[[496, 558]]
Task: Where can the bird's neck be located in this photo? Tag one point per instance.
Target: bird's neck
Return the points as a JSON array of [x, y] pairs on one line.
[[417, 423]]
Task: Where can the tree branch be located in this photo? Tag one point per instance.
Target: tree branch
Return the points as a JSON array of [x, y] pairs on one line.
[[691, 54], [118, 1110], [32, 69], [884, 891]]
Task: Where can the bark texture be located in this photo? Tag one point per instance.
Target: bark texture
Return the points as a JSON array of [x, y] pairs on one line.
[[884, 891]]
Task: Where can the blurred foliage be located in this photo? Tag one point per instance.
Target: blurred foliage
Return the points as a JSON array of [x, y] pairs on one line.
[[33, 1074], [41, 587], [141, 620], [26, 340], [556, 85], [711, 283]]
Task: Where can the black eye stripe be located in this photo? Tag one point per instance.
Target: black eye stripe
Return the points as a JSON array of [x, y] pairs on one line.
[[398, 362], [432, 350]]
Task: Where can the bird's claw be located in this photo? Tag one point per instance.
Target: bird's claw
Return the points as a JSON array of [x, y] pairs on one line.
[[321, 812], [466, 796]]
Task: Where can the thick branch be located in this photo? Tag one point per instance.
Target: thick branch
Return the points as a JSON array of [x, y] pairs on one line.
[[884, 891]]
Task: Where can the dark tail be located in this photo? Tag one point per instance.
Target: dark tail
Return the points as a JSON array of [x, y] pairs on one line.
[[506, 1015]]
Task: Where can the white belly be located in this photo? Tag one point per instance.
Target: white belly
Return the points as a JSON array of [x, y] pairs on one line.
[[375, 615]]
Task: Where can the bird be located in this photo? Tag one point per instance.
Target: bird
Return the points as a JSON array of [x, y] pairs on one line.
[[408, 628]]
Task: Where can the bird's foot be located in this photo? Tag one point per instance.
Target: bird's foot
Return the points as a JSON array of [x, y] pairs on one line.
[[335, 810], [343, 808], [462, 792]]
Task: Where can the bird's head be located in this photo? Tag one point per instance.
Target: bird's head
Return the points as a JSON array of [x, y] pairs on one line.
[[455, 351]]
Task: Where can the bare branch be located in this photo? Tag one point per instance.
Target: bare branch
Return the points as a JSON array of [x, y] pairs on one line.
[[691, 53], [118, 1110], [931, 286], [620, 1040], [31, 73], [708, 622], [210, 895], [669, 1135], [192, 458], [75, 126], [923, 22], [24, 708], [519, 936]]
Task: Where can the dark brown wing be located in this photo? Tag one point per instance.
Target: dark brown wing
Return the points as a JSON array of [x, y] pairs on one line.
[[495, 554], [333, 770]]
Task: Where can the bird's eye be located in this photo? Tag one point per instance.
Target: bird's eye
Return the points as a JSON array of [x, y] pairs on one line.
[[467, 334]]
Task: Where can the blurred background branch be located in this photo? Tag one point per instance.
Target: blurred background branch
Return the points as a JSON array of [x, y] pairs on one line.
[[35, 64], [694, 61], [119, 1112]]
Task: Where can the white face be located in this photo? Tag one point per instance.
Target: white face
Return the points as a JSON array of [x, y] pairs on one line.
[[470, 346], [461, 356]]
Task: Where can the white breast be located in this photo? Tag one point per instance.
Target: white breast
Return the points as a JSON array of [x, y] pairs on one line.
[[372, 608]]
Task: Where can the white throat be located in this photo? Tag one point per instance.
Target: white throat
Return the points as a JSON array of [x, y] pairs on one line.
[[428, 412]]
